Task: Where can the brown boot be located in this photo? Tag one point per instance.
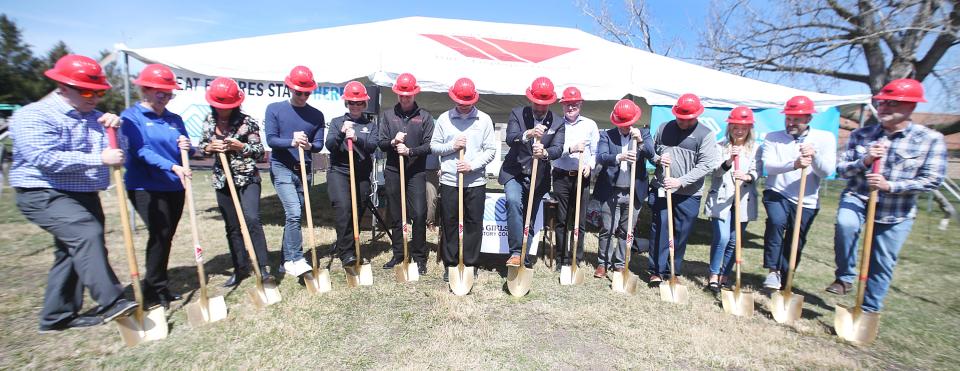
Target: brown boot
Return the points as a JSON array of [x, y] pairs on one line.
[[839, 287], [514, 261], [601, 272]]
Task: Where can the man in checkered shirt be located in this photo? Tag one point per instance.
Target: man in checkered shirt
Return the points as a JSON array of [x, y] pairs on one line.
[[60, 162], [913, 160]]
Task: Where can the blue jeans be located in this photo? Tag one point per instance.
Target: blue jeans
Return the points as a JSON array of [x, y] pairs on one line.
[[685, 210], [778, 235], [724, 245], [516, 199], [614, 220], [290, 191], [887, 241]]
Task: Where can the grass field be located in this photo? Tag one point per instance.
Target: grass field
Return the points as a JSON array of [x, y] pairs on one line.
[[420, 325]]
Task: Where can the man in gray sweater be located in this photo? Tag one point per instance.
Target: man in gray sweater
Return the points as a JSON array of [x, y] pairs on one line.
[[690, 151], [463, 128]]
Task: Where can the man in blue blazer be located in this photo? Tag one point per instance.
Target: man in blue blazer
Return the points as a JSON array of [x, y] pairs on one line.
[[614, 155]]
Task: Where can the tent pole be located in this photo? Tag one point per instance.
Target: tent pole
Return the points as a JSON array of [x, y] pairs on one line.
[[126, 79]]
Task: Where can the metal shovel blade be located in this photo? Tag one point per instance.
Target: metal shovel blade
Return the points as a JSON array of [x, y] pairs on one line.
[[461, 282], [319, 284], [151, 326], [738, 305], [673, 292], [566, 275], [519, 280], [214, 310], [406, 272], [362, 278], [269, 295], [786, 307], [860, 330], [625, 282]]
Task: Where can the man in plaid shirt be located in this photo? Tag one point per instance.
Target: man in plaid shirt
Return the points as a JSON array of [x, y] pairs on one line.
[[913, 160], [60, 160]]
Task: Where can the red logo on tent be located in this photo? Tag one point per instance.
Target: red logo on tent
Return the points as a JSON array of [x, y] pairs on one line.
[[502, 50]]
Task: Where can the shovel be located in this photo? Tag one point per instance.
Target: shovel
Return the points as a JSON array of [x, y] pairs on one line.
[[572, 275], [672, 291], [317, 280], [263, 294], [461, 277], [144, 325], [626, 281], [853, 324], [785, 306], [519, 278], [737, 302], [206, 309], [405, 271], [359, 274]]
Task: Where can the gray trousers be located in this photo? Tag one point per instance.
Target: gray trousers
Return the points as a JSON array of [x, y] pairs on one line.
[[614, 218], [75, 219]]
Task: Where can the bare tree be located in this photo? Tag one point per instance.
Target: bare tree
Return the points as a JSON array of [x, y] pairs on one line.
[[632, 26], [866, 41]]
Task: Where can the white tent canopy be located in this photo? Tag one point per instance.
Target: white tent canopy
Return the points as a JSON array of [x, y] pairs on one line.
[[501, 58]]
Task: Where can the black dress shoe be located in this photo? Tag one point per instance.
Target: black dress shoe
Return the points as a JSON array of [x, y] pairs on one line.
[[76, 322], [171, 296], [393, 262], [446, 275], [235, 279], [269, 279], [348, 261], [121, 307], [422, 268]]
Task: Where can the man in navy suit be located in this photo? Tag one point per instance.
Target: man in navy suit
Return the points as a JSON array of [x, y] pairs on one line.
[[615, 153], [532, 132]]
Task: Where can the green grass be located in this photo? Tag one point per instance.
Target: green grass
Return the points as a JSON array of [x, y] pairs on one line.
[[419, 325]]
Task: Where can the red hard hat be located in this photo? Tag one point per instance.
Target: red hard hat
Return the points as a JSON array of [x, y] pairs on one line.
[[301, 79], [464, 91], [741, 115], [541, 91], [799, 105], [79, 71], [157, 76], [355, 92], [688, 107], [224, 93], [571, 94], [903, 90], [406, 85], [625, 113]]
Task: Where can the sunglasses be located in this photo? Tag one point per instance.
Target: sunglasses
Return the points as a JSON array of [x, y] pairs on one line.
[[87, 93], [352, 103], [161, 95], [302, 93], [889, 103]]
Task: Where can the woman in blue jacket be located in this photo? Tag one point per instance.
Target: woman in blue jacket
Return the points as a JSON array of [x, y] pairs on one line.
[[153, 139]]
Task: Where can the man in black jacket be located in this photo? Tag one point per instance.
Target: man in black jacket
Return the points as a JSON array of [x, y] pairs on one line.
[[532, 132], [406, 131]]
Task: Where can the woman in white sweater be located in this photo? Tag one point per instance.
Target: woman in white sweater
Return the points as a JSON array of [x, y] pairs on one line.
[[737, 148]]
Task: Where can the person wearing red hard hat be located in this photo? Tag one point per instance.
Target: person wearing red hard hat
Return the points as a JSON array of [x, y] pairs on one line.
[[406, 131], [532, 132], [581, 137], [615, 153], [60, 160], [463, 128], [291, 125], [784, 154], [690, 150], [154, 137], [913, 161], [227, 129], [358, 126], [738, 151]]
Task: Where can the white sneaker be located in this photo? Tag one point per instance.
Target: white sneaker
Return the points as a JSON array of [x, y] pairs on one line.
[[303, 266], [296, 268], [772, 281]]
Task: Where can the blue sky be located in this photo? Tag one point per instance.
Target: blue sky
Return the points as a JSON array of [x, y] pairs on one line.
[[88, 27]]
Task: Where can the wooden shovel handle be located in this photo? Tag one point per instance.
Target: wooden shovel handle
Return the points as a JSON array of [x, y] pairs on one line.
[[867, 242], [244, 231], [311, 238], [194, 230], [353, 206], [530, 193], [127, 229]]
